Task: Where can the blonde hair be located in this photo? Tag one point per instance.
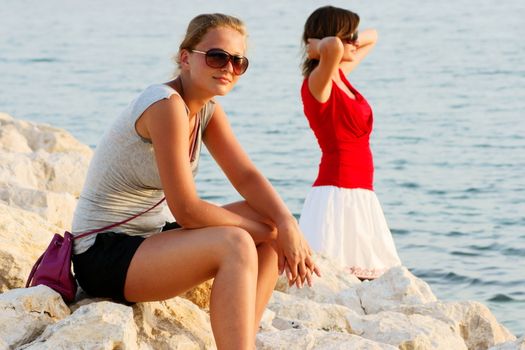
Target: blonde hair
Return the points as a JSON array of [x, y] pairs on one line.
[[201, 24], [327, 21]]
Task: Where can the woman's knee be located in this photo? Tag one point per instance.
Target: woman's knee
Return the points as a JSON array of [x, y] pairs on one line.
[[267, 253], [238, 245], [270, 235]]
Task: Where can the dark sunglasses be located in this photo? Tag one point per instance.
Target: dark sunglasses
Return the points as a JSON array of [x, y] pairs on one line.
[[352, 38], [217, 58]]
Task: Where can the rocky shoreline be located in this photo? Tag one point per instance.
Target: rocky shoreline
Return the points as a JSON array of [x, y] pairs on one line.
[[41, 173]]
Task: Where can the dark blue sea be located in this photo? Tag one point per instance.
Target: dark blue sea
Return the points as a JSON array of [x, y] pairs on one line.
[[446, 82]]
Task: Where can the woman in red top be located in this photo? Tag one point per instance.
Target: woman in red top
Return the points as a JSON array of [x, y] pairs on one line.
[[342, 217]]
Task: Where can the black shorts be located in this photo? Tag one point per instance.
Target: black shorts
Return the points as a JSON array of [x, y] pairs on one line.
[[101, 270]]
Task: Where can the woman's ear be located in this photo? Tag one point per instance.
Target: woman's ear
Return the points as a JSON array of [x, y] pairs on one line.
[[184, 56]]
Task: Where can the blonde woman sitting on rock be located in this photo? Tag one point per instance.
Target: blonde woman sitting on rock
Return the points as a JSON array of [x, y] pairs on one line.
[[152, 150]]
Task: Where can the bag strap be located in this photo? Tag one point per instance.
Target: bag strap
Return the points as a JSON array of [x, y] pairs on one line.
[[196, 129], [98, 230]]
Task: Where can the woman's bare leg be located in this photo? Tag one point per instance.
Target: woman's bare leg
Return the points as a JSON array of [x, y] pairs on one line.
[[266, 279], [267, 261], [172, 262]]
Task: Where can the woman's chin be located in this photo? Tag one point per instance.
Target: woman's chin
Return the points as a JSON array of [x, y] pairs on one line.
[[222, 90]]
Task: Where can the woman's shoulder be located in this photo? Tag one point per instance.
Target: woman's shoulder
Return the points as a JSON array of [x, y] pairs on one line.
[[306, 94], [207, 111], [308, 97], [152, 94], [158, 90]]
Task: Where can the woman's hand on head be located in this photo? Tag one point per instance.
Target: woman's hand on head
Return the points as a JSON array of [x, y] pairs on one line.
[[295, 255], [330, 45], [312, 49], [331, 50], [367, 37]]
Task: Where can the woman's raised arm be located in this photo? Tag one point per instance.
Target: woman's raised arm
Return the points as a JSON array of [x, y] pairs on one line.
[[365, 43], [329, 51]]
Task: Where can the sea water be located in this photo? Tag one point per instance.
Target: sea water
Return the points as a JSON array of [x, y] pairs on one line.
[[446, 82]]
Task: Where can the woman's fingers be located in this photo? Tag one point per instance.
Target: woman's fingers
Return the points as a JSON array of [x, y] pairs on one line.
[[305, 271], [299, 270], [317, 271], [309, 277], [289, 273], [310, 263], [280, 260], [292, 269], [301, 267], [291, 279], [300, 282]]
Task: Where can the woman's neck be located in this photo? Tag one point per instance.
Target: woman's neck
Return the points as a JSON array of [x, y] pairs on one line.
[[193, 98]]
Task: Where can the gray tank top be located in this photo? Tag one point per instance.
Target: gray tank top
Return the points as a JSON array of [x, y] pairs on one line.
[[123, 178]]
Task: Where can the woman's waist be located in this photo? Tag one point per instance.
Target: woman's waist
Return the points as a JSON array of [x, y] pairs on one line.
[[346, 176], [342, 157], [341, 170], [91, 215], [348, 170]]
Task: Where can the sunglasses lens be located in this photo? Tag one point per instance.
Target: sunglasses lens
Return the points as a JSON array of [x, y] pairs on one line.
[[217, 58], [240, 64], [352, 38]]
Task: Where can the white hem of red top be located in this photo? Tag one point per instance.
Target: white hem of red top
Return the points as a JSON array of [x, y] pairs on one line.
[[349, 227]]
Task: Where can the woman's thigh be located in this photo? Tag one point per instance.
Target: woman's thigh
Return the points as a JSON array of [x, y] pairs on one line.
[[171, 262]]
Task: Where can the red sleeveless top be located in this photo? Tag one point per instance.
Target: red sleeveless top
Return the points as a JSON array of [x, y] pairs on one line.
[[342, 127]]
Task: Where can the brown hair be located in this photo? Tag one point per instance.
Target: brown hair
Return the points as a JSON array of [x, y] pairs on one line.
[[327, 21], [200, 25]]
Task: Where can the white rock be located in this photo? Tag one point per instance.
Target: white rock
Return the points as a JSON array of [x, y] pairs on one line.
[[175, 323], [19, 170], [11, 140], [42, 169], [25, 313], [54, 207], [519, 344], [267, 321], [23, 238], [471, 320], [395, 287], [37, 136], [294, 312], [57, 172], [102, 325], [406, 331], [306, 339], [61, 172]]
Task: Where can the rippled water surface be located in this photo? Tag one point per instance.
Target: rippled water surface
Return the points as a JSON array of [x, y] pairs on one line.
[[446, 81]]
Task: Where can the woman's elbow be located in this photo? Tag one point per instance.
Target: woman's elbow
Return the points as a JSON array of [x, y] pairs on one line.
[[370, 37], [374, 35], [331, 45], [186, 215]]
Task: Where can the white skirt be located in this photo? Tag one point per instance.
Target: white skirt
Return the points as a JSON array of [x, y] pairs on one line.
[[348, 226]]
